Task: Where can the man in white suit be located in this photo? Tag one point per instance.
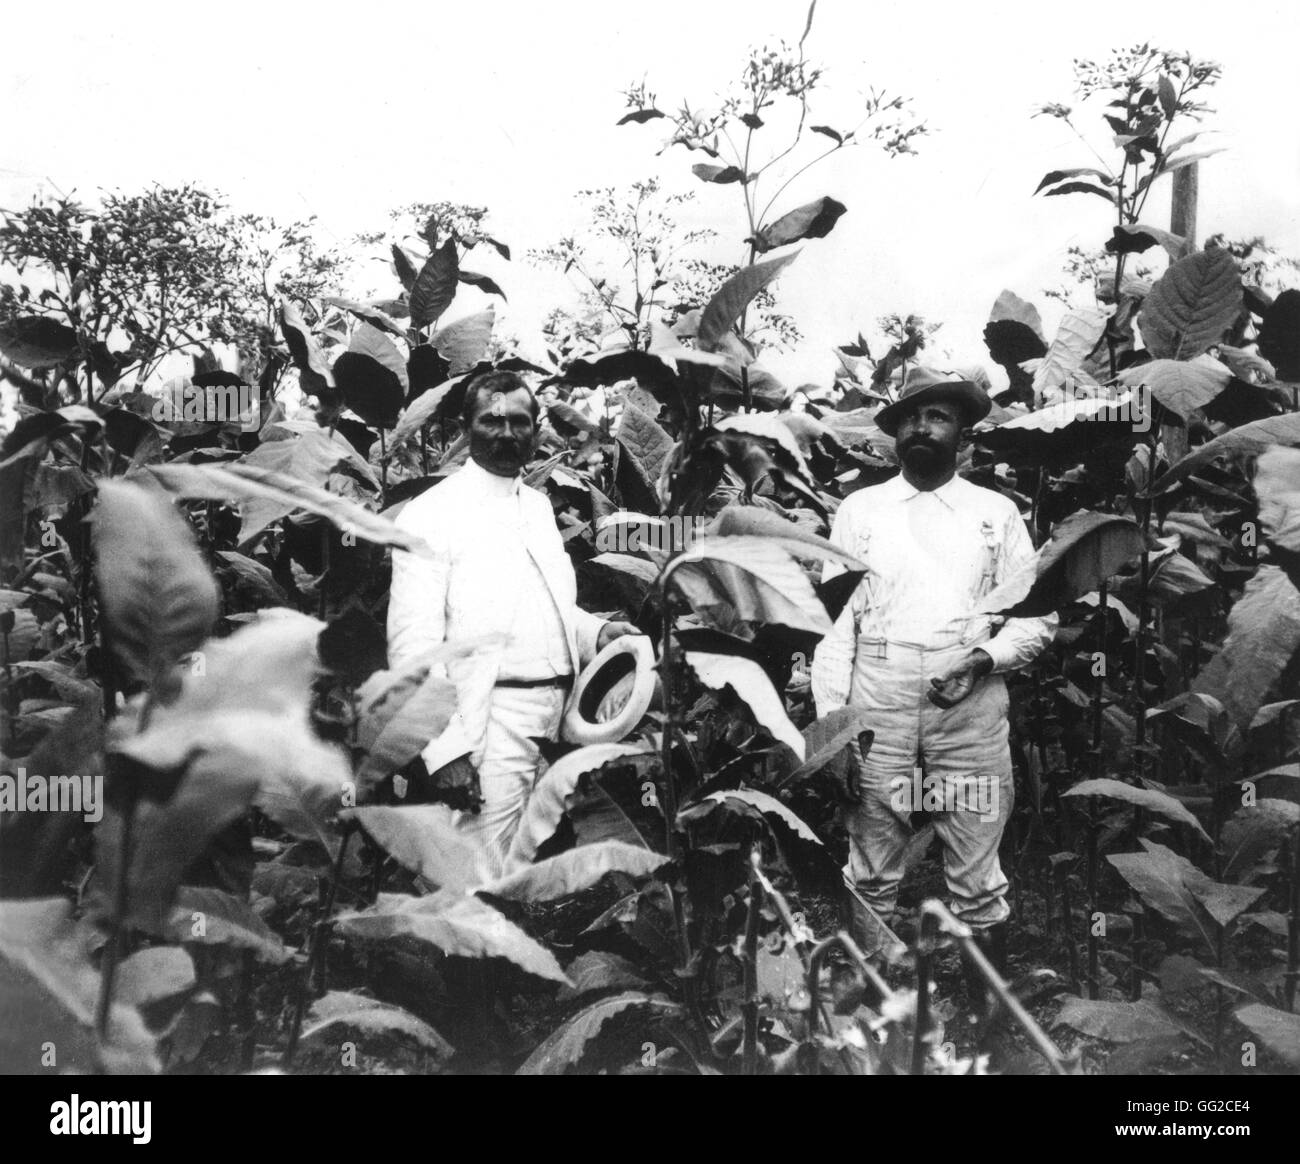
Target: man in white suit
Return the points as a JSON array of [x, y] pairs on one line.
[[498, 567]]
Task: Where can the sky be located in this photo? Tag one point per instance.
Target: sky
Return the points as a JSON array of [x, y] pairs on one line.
[[344, 112]]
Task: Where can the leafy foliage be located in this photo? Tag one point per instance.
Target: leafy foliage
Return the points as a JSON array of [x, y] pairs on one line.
[[193, 609]]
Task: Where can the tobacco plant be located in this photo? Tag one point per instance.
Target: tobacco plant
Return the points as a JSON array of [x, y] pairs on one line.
[[193, 613]]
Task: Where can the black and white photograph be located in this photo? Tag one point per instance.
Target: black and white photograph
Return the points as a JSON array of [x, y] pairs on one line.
[[705, 538]]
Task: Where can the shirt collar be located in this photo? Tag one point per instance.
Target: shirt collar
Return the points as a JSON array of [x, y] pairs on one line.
[[947, 492], [492, 484]]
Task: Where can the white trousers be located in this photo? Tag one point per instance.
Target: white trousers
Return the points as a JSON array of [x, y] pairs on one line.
[[954, 764], [517, 717]]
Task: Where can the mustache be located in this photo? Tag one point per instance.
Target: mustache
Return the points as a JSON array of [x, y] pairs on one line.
[[917, 443]]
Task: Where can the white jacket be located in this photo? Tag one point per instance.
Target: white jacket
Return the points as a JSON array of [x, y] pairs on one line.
[[470, 588], [928, 567]]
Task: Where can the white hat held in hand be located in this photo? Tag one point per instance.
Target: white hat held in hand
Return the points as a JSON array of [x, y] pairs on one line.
[[612, 694]]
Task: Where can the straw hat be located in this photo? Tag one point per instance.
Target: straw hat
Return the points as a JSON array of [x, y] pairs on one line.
[[612, 694], [925, 384]]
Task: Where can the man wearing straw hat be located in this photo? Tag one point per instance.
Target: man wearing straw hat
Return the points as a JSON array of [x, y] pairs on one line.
[[910, 648]]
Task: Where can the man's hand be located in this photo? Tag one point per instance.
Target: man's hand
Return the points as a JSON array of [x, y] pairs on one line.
[[950, 689], [614, 630], [455, 784]]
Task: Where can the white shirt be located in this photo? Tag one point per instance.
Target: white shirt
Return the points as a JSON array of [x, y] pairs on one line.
[[537, 647], [496, 564], [931, 556]]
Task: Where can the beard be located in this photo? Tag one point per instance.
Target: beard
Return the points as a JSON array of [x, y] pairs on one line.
[[922, 457], [508, 452], [504, 457]]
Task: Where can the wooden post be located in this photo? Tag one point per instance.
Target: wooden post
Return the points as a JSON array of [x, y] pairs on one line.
[[1182, 213]]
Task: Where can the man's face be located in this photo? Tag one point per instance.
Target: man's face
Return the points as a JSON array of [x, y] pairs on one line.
[[502, 433], [928, 437]]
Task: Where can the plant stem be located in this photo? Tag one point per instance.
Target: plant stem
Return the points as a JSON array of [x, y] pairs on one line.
[[1139, 662], [1072, 949], [1293, 926], [1099, 692], [1098, 770], [666, 664], [806, 166], [121, 889], [1093, 951], [1160, 156], [1136, 946], [940, 919], [117, 924], [1111, 352], [924, 955], [247, 1013], [85, 596], [325, 568], [1218, 993], [749, 1007], [810, 958], [318, 943], [11, 695], [1049, 898]]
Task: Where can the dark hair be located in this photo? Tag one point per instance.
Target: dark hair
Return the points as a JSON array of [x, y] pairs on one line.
[[490, 382]]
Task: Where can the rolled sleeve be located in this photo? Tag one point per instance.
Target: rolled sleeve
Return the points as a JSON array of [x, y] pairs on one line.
[[1021, 640]]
